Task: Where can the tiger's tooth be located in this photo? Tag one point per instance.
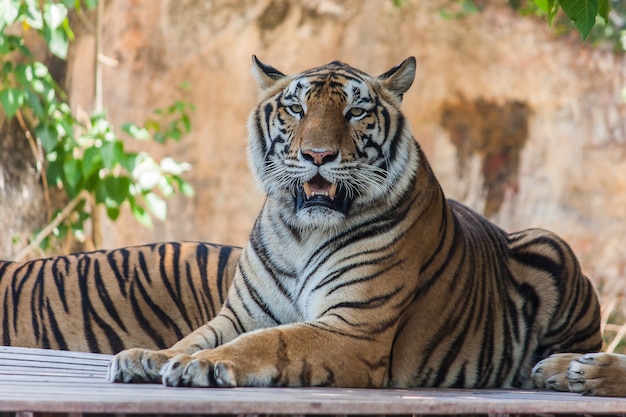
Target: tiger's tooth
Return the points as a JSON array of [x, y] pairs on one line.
[[307, 189], [332, 191]]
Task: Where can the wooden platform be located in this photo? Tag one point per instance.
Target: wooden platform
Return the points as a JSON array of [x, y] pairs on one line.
[[34, 381]]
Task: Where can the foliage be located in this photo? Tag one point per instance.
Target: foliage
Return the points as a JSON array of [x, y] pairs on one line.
[[583, 14], [84, 158]]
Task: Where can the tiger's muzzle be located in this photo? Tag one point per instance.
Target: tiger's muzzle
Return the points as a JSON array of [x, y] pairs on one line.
[[318, 192]]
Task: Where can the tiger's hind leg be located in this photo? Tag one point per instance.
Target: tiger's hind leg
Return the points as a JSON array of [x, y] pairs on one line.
[[551, 373], [602, 374]]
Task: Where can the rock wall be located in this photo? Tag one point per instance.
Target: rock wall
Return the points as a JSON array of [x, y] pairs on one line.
[[519, 124]]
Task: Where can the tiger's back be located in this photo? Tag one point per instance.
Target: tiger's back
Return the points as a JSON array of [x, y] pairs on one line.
[[107, 301], [501, 302]]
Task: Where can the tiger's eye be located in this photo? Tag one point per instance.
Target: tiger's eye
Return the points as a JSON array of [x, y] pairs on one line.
[[356, 112], [296, 108]]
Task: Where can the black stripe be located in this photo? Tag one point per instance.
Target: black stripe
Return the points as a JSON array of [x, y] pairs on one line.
[[200, 305], [121, 277], [82, 270], [202, 260], [37, 305], [54, 327], [60, 271], [144, 323], [172, 283], [256, 296], [224, 256], [16, 290], [105, 300]]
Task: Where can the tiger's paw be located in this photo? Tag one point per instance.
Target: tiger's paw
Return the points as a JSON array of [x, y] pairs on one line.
[[137, 365], [189, 371], [551, 372], [602, 374]]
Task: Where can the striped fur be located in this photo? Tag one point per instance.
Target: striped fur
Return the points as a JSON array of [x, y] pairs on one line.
[[359, 272], [107, 301]]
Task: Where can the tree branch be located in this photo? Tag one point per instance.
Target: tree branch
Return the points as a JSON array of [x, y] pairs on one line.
[[46, 231]]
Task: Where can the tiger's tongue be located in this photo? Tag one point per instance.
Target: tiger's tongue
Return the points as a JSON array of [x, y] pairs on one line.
[[319, 186]]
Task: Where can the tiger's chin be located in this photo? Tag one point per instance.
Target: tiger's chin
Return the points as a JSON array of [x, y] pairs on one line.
[[319, 218]]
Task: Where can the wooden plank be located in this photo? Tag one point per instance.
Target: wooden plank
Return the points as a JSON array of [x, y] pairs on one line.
[[29, 383]]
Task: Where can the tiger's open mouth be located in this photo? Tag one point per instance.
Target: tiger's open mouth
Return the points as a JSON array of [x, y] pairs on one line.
[[317, 192]]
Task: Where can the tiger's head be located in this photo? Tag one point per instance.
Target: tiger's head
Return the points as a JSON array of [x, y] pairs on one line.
[[330, 144]]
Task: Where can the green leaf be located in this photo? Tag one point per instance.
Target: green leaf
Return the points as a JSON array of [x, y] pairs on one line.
[[152, 125], [17, 43], [141, 215], [129, 161], [57, 41], [54, 172], [117, 189], [549, 7], [73, 175], [47, 134], [113, 213], [5, 45], [553, 9], [11, 100], [67, 30], [32, 100], [92, 161], [156, 205], [24, 74], [604, 8], [112, 153], [582, 13], [160, 137], [184, 186], [186, 122], [91, 4]]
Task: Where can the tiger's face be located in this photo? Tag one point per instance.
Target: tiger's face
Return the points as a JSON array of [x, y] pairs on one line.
[[330, 144]]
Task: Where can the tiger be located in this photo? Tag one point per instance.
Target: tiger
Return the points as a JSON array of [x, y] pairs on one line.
[[359, 272], [110, 300]]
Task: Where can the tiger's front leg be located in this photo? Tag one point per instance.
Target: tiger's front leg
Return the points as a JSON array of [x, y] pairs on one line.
[[290, 355], [145, 365], [602, 374], [551, 372]]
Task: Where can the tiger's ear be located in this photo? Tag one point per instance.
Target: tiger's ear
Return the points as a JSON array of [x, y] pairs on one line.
[[265, 75], [399, 78]]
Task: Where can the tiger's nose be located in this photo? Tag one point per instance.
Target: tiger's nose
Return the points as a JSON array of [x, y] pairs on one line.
[[319, 157]]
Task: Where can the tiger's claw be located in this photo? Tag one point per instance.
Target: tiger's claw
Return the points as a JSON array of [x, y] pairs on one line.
[[188, 371], [136, 365]]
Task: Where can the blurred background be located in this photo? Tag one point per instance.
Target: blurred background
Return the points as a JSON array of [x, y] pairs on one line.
[[523, 122]]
